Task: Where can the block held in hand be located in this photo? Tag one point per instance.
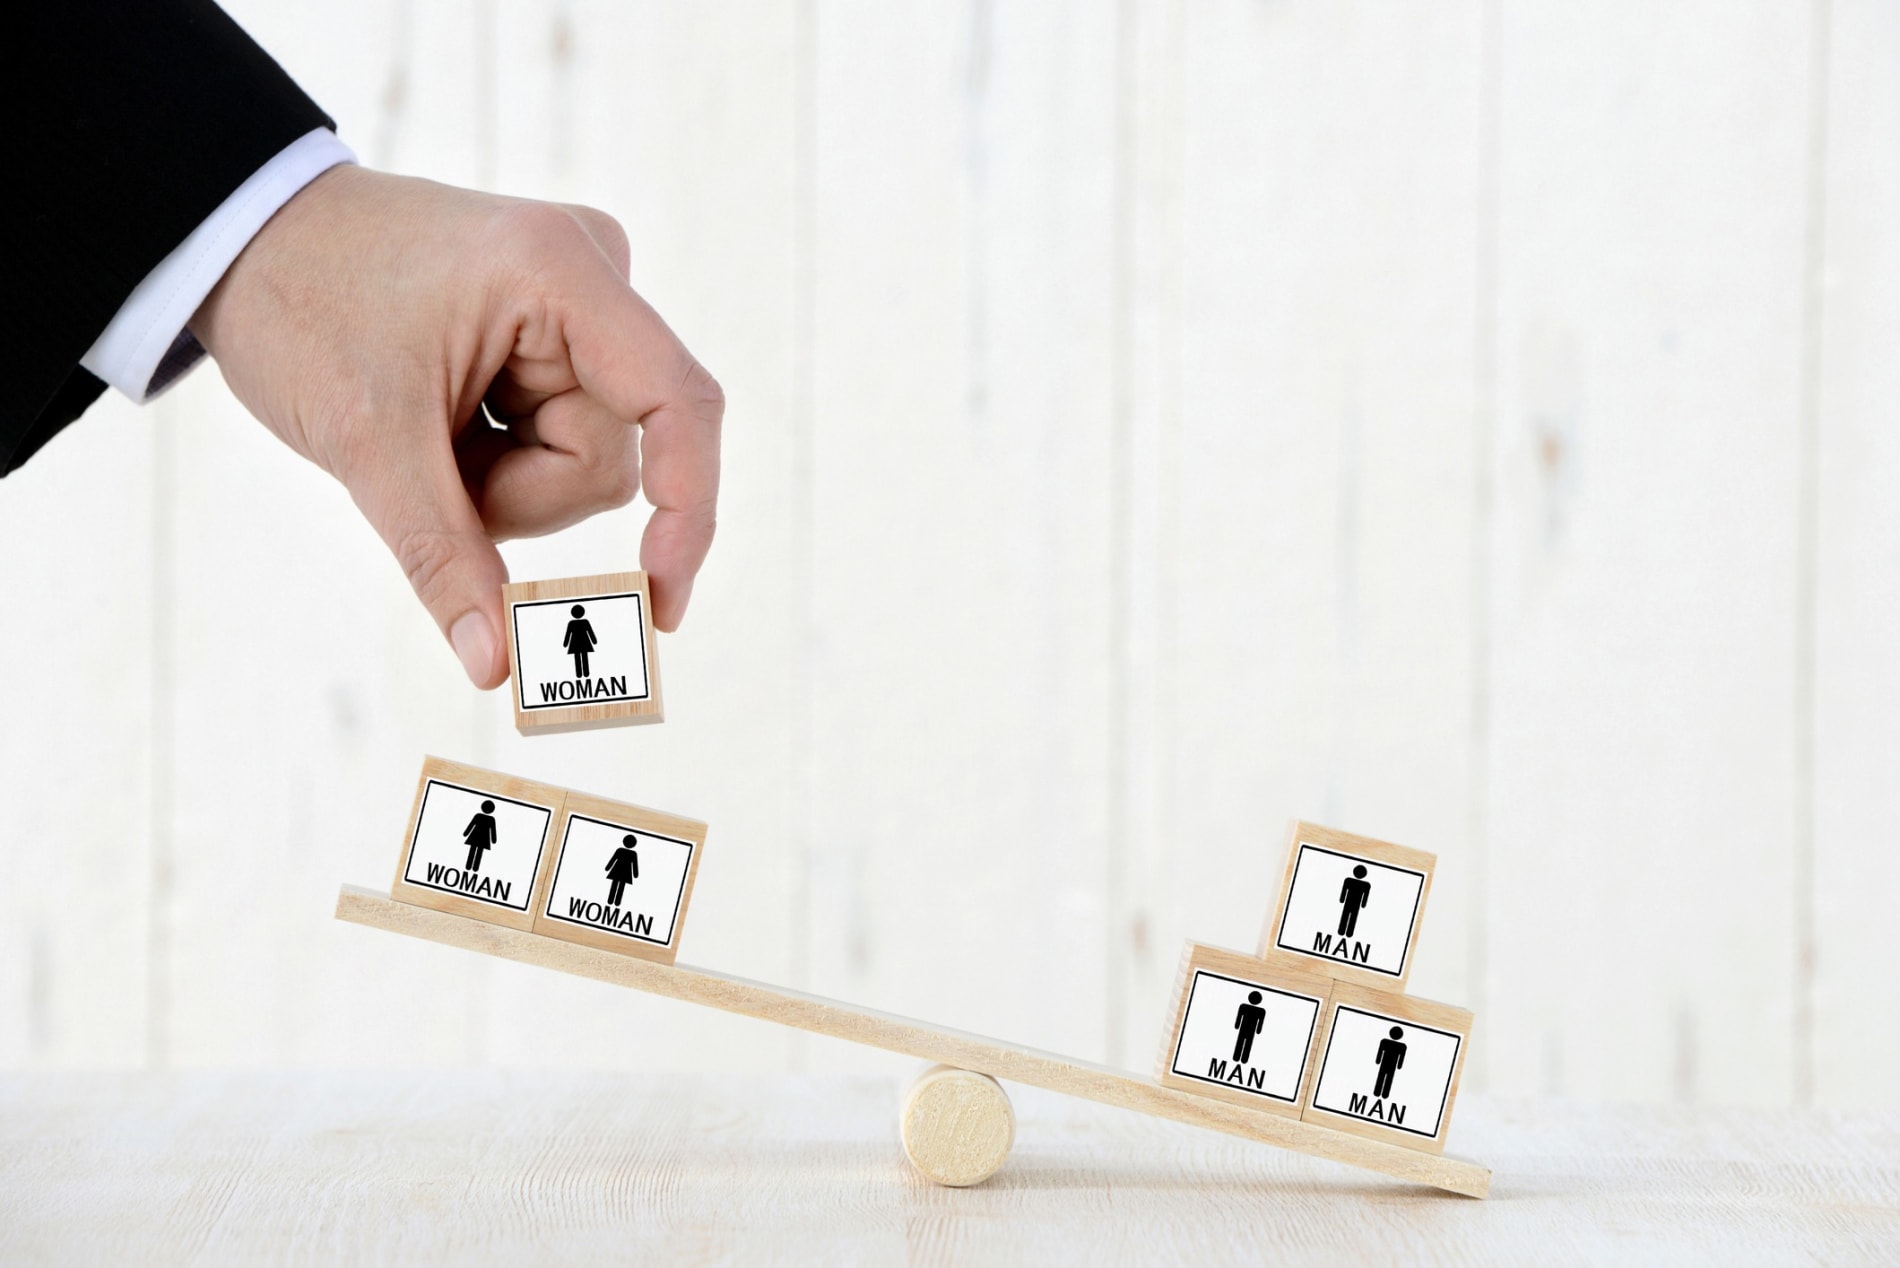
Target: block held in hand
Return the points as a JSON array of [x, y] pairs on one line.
[[582, 653]]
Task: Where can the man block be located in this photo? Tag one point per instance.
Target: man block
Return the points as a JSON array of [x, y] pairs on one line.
[[1349, 909], [621, 879], [1389, 1067], [1242, 1032], [476, 843], [582, 653]]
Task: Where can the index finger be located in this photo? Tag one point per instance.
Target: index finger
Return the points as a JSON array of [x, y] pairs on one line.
[[625, 357], [679, 459]]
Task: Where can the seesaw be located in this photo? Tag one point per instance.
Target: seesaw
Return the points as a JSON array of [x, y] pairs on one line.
[[957, 1125], [1310, 1043]]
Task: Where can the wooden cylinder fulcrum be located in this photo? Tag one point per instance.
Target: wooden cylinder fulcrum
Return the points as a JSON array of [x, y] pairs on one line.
[[957, 1125]]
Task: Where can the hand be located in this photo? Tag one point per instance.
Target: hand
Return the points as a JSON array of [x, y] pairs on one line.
[[370, 319]]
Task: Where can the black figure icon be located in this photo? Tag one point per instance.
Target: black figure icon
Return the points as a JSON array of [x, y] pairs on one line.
[[621, 868], [1248, 1021], [1353, 896], [1391, 1056], [480, 835], [580, 640]]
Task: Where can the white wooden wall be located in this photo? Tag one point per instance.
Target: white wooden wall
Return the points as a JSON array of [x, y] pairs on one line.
[[1468, 423]]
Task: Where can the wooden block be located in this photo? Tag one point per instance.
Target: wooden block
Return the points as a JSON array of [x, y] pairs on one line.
[[477, 843], [582, 653], [1350, 908], [1389, 1067], [1242, 1031], [621, 878]]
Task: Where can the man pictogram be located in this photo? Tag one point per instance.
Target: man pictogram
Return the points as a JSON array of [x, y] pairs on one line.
[[1353, 896], [621, 868], [1248, 1021], [480, 835], [1390, 1057], [580, 640]]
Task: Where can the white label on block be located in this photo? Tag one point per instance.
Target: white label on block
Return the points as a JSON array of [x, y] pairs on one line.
[[589, 650], [1245, 1035], [619, 880], [1350, 910], [1387, 1071], [478, 845]]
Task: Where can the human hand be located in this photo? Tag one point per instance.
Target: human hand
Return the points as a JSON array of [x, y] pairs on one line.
[[368, 321]]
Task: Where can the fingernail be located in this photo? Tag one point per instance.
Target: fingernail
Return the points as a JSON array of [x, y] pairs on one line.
[[474, 642]]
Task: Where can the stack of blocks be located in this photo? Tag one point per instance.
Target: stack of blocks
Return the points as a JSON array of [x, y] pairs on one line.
[[549, 860], [1316, 1024]]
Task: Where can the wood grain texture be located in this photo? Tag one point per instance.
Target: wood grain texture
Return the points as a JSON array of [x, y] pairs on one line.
[[1317, 586], [1855, 292], [1143, 845], [961, 606], [1405, 420], [957, 1125], [901, 1034], [584, 717], [697, 155], [487, 1168], [82, 606], [1651, 239], [293, 741]]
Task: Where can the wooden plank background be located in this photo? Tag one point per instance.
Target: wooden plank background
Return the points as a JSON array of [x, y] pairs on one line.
[[1463, 423]]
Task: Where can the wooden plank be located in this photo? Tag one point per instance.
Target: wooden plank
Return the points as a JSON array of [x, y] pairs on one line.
[[79, 747], [1145, 492], [346, 695], [1856, 789], [306, 677], [1317, 510], [485, 1167], [693, 152], [904, 1035], [1651, 247], [963, 582]]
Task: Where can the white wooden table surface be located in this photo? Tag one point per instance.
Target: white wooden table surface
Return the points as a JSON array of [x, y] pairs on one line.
[[521, 1168]]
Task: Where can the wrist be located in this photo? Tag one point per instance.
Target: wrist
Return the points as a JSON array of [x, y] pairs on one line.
[[262, 279]]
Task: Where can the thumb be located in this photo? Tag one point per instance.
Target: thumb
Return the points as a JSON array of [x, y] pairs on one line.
[[438, 539]]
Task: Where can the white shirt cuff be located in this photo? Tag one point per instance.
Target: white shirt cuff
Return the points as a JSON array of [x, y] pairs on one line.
[[147, 348]]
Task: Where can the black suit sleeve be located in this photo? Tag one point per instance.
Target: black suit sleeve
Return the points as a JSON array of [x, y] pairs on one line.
[[132, 120]]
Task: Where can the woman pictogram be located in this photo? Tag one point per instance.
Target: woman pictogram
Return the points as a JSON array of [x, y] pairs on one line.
[[621, 868], [580, 640], [480, 835]]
